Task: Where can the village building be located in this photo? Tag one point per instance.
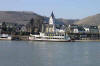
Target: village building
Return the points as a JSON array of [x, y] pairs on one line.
[[91, 29], [76, 29], [94, 29]]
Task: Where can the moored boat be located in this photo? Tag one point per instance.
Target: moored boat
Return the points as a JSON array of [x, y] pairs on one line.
[[55, 37], [5, 37]]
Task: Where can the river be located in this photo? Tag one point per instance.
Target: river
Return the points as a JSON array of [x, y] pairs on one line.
[[29, 53]]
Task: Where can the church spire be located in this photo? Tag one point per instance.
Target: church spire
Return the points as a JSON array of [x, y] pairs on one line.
[[52, 15], [52, 19]]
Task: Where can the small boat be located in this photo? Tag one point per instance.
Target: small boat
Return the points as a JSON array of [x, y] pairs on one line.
[[5, 37]]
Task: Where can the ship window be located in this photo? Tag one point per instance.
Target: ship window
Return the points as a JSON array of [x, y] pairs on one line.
[[62, 35]]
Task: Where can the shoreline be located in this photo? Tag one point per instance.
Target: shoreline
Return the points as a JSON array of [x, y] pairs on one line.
[[87, 40], [55, 41]]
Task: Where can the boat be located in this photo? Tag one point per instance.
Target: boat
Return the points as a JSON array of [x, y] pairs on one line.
[[5, 37], [54, 37]]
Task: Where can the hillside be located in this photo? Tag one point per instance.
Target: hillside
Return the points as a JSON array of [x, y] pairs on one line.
[[17, 16], [91, 20], [67, 21], [24, 17]]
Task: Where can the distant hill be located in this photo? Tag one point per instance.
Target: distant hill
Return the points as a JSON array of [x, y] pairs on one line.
[[24, 17], [91, 20], [17, 16], [67, 21]]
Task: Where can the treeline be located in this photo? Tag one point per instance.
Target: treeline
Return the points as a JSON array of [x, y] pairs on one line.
[[34, 26]]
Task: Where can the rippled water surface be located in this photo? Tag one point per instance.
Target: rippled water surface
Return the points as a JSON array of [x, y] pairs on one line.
[[28, 53]]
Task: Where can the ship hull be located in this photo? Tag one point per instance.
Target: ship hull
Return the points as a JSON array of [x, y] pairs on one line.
[[51, 40]]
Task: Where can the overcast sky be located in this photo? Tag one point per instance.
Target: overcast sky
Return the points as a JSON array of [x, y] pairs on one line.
[[69, 9]]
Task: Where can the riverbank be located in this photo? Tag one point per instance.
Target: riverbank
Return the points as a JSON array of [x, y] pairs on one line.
[[26, 38]]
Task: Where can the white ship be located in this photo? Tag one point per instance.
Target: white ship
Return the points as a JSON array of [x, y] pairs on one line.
[[60, 37], [5, 37]]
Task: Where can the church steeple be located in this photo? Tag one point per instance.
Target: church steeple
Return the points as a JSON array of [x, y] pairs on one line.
[[52, 15], [52, 19]]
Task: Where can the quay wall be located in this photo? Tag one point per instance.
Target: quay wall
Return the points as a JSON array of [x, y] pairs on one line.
[[19, 37]]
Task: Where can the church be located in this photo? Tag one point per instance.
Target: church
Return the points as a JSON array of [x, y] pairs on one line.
[[51, 27]]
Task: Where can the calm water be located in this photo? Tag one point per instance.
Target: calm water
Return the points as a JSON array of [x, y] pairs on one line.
[[28, 53]]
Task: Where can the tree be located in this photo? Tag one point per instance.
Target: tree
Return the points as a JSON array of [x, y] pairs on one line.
[[35, 25], [4, 27]]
